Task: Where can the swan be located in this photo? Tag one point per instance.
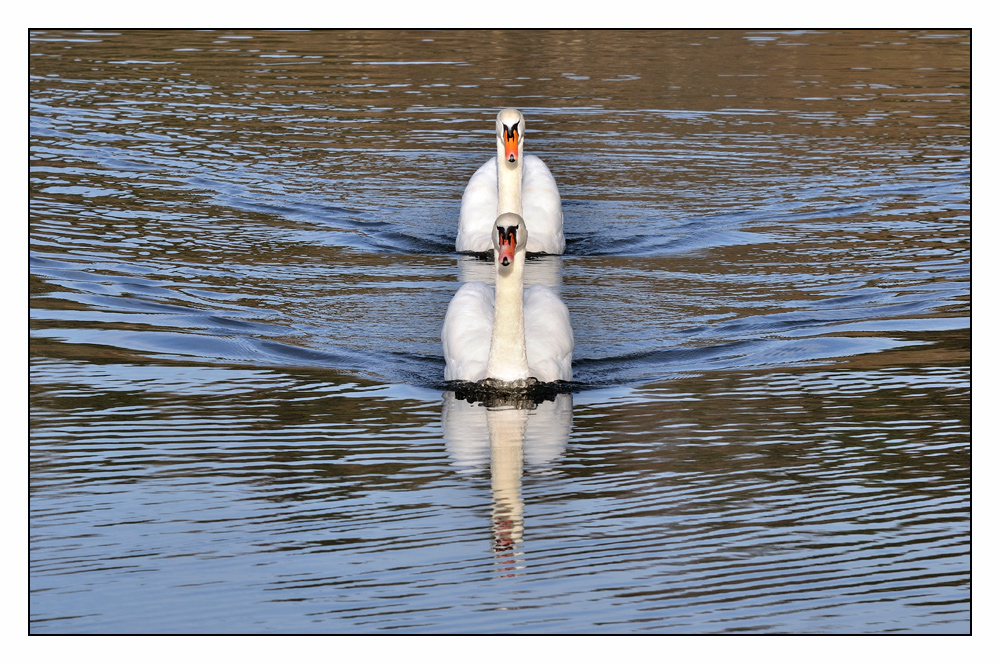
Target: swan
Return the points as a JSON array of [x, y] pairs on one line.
[[507, 333], [511, 182]]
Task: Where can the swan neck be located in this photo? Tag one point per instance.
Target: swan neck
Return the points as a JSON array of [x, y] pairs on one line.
[[508, 359], [509, 185]]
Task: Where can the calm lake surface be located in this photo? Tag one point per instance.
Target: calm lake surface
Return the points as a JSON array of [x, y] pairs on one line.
[[241, 251]]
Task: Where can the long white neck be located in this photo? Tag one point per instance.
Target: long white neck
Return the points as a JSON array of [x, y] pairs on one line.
[[508, 359], [508, 184]]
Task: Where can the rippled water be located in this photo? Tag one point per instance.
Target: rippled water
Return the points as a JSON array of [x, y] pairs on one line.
[[241, 250]]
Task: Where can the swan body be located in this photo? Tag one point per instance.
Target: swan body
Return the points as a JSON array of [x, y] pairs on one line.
[[511, 182], [507, 333]]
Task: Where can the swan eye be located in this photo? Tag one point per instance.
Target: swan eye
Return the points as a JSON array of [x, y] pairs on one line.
[[507, 235], [510, 133]]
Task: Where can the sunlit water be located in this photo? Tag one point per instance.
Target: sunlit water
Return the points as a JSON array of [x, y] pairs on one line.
[[242, 249]]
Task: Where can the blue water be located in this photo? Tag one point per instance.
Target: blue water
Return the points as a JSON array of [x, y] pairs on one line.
[[241, 248]]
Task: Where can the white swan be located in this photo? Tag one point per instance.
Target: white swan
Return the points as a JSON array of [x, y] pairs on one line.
[[507, 333], [511, 182]]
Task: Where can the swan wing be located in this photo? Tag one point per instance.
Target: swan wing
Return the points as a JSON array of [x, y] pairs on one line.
[[542, 208], [465, 337], [540, 201], [479, 210], [548, 335]]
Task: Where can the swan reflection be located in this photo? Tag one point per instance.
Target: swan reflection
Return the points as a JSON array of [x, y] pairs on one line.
[[507, 434], [545, 269]]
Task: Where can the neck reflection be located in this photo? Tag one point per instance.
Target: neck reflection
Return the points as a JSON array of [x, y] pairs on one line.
[[510, 435]]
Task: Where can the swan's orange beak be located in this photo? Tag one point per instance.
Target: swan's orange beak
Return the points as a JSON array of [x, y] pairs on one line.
[[508, 245], [510, 144]]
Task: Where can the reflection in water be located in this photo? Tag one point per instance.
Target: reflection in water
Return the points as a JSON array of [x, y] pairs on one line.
[[542, 269], [506, 433], [507, 428]]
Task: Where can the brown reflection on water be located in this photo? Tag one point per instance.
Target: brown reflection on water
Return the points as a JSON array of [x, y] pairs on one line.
[[411, 76]]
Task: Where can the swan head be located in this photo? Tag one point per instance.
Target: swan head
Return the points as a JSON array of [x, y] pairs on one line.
[[510, 236], [510, 133]]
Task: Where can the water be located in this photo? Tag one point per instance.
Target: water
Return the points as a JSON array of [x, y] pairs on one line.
[[241, 250]]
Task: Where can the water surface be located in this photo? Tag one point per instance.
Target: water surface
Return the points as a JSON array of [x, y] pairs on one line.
[[241, 249]]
